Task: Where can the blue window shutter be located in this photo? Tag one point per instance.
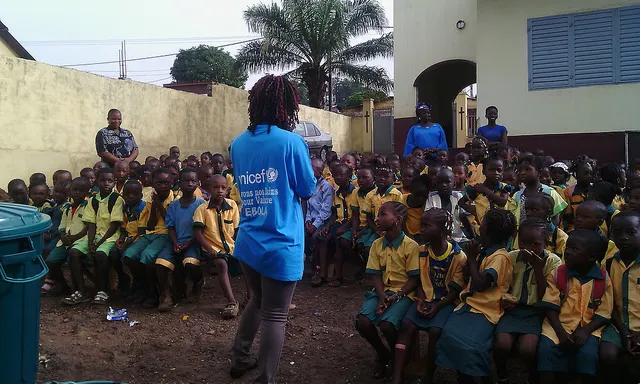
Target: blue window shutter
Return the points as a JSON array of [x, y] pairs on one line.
[[593, 48], [629, 56], [549, 53]]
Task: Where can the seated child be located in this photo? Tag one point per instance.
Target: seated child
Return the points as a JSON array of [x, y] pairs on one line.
[[133, 169], [461, 159], [540, 205], [174, 151], [468, 335], [576, 194], [103, 216], [615, 174], [39, 195], [510, 177], [364, 235], [129, 234], [61, 200], [417, 153], [573, 324], [442, 157], [191, 162], [605, 193], [18, 193], [492, 193], [182, 249], [394, 268], [433, 173], [382, 194], [620, 342], [153, 164], [560, 176], [446, 198], [340, 225], [90, 175], [122, 173], [205, 158], [217, 243], [408, 174], [145, 178], [415, 202], [521, 323], [318, 212], [442, 265], [460, 172], [99, 165], [393, 161], [479, 152], [72, 230], [37, 178], [174, 171], [505, 153], [141, 256], [205, 175], [61, 174], [633, 182], [419, 165]]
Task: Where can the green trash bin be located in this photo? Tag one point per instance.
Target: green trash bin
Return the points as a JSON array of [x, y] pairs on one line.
[[21, 267]]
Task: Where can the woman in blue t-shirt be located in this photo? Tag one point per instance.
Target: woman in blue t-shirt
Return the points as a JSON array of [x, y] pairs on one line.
[[426, 135], [273, 172], [494, 133]]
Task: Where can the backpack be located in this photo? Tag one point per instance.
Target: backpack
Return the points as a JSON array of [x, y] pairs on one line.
[[95, 203], [597, 289]]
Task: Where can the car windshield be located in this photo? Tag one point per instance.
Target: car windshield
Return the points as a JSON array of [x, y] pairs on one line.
[[299, 129]]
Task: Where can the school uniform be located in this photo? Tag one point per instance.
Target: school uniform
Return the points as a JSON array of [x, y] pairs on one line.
[[612, 211], [45, 207], [371, 206], [343, 205], [476, 174], [526, 317], [202, 194], [93, 191], [403, 190], [434, 201], [398, 180], [56, 218], [625, 280], [149, 245], [467, 337], [147, 194], [234, 195], [131, 217], [556, 242], [180, 218], [482, 202], [71, 223], [574, 196], [395, 261], [518, 202], [413, 224], [367, 235], [618, 202], [218, 228], [102, 219], [438, 275], [577, 309]]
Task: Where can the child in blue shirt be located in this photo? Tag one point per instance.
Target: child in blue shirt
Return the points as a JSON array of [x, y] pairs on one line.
[[182, 248], [318, 212]]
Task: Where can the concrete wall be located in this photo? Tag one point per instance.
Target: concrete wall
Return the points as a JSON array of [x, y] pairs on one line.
[[5, 50], [49, 117], [425, 34], [503, 75]]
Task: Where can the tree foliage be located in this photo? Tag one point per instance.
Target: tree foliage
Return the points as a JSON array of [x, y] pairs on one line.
[[207, 63], [311, 39], [356, 99]]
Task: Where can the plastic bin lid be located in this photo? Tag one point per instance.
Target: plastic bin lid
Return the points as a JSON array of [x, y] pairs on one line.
[[18, 220]]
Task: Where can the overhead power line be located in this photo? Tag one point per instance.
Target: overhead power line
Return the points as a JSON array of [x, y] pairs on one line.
[[167, 40], [156, 56]]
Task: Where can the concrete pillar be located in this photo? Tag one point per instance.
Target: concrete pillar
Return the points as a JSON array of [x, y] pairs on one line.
[[461, 113], [367, 129]]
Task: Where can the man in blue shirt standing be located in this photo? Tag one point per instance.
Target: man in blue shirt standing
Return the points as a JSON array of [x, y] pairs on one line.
[[273, 173]]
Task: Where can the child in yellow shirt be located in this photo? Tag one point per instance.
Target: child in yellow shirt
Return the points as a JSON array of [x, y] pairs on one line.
[[467, 337], [416, 202]]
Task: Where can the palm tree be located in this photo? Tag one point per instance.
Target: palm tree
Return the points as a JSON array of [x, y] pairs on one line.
[[310, 39]]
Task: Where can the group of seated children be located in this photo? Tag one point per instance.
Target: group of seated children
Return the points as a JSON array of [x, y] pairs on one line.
[[164, 221]]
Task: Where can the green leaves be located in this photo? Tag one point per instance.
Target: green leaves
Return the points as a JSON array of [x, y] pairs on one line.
[[206, 63]]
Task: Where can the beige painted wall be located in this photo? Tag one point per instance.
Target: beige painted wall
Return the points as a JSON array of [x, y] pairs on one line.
[[503, 75], [5, 50], [425, 34], [49, 117]]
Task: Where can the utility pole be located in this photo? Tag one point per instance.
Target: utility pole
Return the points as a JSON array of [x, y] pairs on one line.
[[122, 60]]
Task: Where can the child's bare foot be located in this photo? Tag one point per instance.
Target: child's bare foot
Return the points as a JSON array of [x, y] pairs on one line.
[[335, 283]]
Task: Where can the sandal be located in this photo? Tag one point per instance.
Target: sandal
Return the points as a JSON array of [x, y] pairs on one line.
[[47, 287], [101, 298], [76, 298], [317, 280], [335, 283], [230, 311]]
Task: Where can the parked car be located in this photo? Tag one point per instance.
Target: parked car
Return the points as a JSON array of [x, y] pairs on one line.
[[320, 143]]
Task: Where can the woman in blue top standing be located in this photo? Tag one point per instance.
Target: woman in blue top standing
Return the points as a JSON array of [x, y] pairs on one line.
[[494, 133], [273, 173], [426, 135]]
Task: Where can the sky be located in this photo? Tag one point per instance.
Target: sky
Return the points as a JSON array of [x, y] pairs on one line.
[[67, 32]]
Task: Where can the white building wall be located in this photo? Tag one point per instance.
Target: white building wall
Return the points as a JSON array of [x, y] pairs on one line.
[[503, 75], [425, 34]]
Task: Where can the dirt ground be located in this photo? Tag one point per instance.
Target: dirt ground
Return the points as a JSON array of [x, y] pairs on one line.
[[192, 343]]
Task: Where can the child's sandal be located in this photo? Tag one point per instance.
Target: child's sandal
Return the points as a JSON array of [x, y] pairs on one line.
[[47, 287], [230, 311], [101, 298], [317, 280], [335, 283], [76, 298]]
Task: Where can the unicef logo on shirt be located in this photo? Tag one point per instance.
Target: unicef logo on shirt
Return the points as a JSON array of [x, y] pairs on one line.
[[272, 175]]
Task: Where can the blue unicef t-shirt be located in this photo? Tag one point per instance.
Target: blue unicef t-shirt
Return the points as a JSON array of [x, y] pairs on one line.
[[181, 218], [273, 172], [492, 134]]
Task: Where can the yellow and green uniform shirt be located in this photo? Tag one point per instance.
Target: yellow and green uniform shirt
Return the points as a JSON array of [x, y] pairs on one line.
[[218, 225], [625, 280], [344, 204], [160, 227], [476, 174], [440, 273], [394, 261], [72, 221], [130, 223], [103, 218], [524, 285], [414, 217], [374, 200]]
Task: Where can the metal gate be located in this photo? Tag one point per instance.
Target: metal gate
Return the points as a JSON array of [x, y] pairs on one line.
[[383, 131]]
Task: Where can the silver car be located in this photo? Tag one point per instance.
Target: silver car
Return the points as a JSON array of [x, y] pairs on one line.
[[320, 143]]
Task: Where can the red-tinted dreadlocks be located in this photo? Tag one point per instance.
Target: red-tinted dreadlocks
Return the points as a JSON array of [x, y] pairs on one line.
[[273, 100]]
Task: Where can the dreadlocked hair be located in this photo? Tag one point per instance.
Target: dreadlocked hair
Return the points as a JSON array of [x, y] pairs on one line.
[[273, 100], [501, 225], [442, 218], [400, 210], [533, 223]]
